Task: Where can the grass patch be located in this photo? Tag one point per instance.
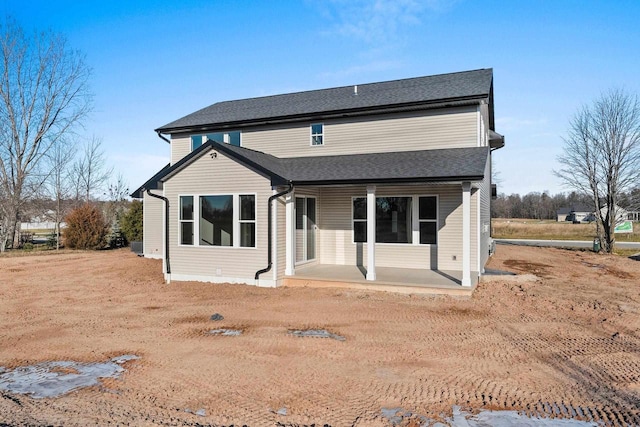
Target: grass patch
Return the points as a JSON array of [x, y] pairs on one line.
[[514, 228], [626, 252], [37, 250]]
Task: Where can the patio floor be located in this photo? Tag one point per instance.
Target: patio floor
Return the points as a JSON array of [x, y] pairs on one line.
[[403, 280]]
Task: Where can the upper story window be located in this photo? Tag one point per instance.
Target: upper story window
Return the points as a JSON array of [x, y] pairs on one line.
[[317, 134], [232, 138]]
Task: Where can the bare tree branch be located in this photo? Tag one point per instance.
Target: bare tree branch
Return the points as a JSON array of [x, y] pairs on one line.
[[44, 95], [601, 157]]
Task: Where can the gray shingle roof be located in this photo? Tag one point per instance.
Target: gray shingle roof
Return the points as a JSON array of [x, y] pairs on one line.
[[466, 85], [152, 183], [453, 164]]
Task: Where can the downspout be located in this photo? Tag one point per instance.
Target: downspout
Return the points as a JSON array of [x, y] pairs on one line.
[[269, 230], [166, 227], [162, 137], [166, 215]]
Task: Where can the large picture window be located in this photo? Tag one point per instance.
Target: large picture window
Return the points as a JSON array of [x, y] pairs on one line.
[[223, 220], [398, 220], [216, 220]]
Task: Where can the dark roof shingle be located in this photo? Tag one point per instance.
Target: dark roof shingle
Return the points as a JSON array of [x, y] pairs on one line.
[[464, 85], [452, 164]]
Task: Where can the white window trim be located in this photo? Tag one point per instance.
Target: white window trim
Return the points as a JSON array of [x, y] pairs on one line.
[[236, 221], [311, 134], [180, 220], [240, 221], [304, 227], [415, 220]]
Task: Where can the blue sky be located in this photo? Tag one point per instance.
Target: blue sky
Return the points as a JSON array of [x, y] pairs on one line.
[[156, 61]]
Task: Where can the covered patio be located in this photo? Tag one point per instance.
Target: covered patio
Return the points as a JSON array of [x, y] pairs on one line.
[[401, 280]]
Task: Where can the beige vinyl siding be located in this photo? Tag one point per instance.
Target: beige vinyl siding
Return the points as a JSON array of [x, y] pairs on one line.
[[336, 230], [180, 147], [416, 130], [153, 219], [210, 176], [446, 128], [485, 215]]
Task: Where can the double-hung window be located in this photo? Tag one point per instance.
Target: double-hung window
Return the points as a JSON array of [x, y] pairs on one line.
[[428, 220], [407, 219], [186, 220], [359, 219], [317, 134], [247, 221]]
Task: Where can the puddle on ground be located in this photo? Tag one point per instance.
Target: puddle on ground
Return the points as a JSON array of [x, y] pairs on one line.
[[484, 418], [54, 379], [316, 333], [200, 412], [226, 332]]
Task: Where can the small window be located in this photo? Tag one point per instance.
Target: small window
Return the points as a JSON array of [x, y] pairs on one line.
[[232, 138], [359, 219], [299, 213], [428, 218], [247, 221], [186, 220], [317, 132], [196, 141]]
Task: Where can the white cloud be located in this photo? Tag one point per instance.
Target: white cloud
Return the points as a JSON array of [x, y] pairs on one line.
[[369, 67], [379, 21]]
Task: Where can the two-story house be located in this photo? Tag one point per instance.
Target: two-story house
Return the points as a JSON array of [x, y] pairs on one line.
[[378, 184]]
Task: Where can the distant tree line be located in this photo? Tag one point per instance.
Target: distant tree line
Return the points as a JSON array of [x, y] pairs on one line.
[[536, 205]]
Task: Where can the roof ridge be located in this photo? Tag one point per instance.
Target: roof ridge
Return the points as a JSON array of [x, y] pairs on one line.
[[420, 91], [345, 86]]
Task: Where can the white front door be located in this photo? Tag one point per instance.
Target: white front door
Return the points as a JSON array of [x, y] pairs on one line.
[[305, 229]]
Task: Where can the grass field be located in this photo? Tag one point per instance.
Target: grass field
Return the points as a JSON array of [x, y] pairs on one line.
[[514, 228]]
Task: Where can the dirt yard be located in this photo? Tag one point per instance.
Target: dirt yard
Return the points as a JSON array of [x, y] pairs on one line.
[[566, 344]]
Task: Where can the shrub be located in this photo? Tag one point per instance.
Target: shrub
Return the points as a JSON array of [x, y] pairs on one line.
[[131, 223], [116, 238], [86, 228]]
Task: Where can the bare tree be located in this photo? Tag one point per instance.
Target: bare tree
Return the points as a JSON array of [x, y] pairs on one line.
[[43, 95], [117, 200], [602, 156], [90, 172], [58, 183]]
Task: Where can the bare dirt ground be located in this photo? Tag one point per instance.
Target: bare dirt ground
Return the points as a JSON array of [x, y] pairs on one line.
[[565, 344]]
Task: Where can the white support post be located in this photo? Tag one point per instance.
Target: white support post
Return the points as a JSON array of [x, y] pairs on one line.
[[466, 234], [290, 234], [371, 232]]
